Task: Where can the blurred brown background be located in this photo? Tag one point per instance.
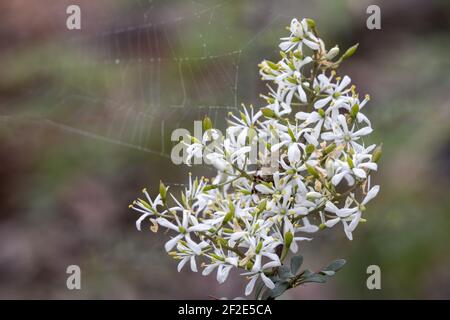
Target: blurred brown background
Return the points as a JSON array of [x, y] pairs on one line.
[[86, 118]]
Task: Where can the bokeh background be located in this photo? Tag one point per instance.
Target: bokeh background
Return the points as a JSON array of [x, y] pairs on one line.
[[86, 118]]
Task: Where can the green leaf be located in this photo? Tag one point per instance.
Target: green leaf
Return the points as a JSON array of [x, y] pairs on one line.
[[284, 273], [328, 273], [296, 262], [335, 265], [317, 278], [280, 288]]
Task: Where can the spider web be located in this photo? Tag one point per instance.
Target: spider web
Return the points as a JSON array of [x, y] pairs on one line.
[[141, 81]]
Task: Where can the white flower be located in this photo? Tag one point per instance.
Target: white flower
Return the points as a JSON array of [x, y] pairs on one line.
[[255, 274], [342, 135], [147, 208], [184, 229], [223, 263], [261, 202], [185, 253], [349, 228], [300, 34], [332, 91]]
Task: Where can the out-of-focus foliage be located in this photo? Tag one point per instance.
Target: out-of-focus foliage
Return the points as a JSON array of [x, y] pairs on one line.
[[81, 129]]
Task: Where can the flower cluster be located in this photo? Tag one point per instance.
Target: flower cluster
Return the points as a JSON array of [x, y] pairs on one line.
[[257, 210]]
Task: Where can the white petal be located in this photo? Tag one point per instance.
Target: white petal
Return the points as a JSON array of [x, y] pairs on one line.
[[369, 165], [345, 212], [302, 94], [328, 136], [271, 264], [293, 153], [331, 207], [348, 233], [172, 242], [360, 173], [250, 285], [311, 44], [355, 221], [193, 264], [267, 281], [371, 194], [331, 223], [337, 178], [208, 269], [345, 82], [263, 189], [163, 222], [257, 264], [362, 132], [192, 245], [319, 104], [141, 218], [222, 273], [302, 115], [199, 227], [182, 263]]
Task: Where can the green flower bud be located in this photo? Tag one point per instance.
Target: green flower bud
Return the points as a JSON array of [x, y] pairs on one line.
[[312, 171], [258, 247], [262, 205], [329, 148], [163, 191], [311, 23], [310, 148], [354, 111], [268, 113], [228, 217], [350, 52], [272, 65], [207, 123], [288, 237], [350, 162], [376, 156], [333, 52]]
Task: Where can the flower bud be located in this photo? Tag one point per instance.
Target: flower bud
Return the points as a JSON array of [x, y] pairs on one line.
[[310, 148], [259, 247], [329, 148], [333, 52], [207, 123], [376, 156], [354, 111], [228, 217], [350, 52], [311, 23], [312, 171], [268, 113], [163, 191], [262, 205], [288, 237]]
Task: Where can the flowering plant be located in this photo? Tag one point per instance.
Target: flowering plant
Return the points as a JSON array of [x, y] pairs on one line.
[[311, 172]]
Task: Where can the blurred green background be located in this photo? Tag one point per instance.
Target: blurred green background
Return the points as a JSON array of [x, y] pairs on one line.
[[86, 118]]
